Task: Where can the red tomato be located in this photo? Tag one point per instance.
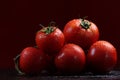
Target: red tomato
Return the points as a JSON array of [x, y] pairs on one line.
[[81, 32], [50, 40], [71, 59], [32, 60], [101, 57]]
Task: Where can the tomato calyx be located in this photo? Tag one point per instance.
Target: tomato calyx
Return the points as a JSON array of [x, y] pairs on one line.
[[48, 29], [16, 61], [85, 23]]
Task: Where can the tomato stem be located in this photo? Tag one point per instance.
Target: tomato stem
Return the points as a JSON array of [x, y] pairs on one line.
[[85, 17], [16, 61], [41, 25], [50, 28], [85, 23], [52, 23]]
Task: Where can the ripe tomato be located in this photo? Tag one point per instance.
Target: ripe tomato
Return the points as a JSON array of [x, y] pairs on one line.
[[81, 32], [101, 57], [50, 39], [71, 59], [32, 60]]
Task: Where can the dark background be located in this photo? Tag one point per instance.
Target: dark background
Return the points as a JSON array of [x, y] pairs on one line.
[[20, 19]]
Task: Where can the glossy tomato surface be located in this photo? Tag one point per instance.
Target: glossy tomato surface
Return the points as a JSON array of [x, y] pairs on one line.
[[81, 32], [32, 60], [101, 57], [50, 43], [71, 59]]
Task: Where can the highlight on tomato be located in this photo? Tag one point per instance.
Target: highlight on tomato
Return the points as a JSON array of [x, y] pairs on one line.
[[102, 57], [81, 32]]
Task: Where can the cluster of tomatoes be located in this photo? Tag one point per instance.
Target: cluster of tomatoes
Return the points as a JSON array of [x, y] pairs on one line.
[[72, 50]]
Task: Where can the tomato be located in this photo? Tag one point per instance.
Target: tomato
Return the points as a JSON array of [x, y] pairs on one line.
[[81, 32], [32, 60], [71, 59], [50, 39], [101, 57]]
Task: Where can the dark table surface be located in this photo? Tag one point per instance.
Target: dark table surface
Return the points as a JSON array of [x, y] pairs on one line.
[[13, 75]]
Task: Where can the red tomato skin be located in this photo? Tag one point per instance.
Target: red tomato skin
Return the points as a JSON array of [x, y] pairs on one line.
[[102, 57], [32, 60], [50, 43], [74, 33], [70, 59]]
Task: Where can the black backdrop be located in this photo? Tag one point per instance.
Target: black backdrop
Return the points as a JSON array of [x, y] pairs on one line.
[[20, 21]]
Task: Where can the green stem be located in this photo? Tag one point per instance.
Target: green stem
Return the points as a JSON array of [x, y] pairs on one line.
[[16, 61], [50, 28], [52, 23], [85, 23], [41, 25]]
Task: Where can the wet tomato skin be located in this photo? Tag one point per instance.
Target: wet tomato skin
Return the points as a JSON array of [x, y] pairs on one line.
[[84, 37], [102, 57], [71, 59], [50, 43], [32, 60]]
